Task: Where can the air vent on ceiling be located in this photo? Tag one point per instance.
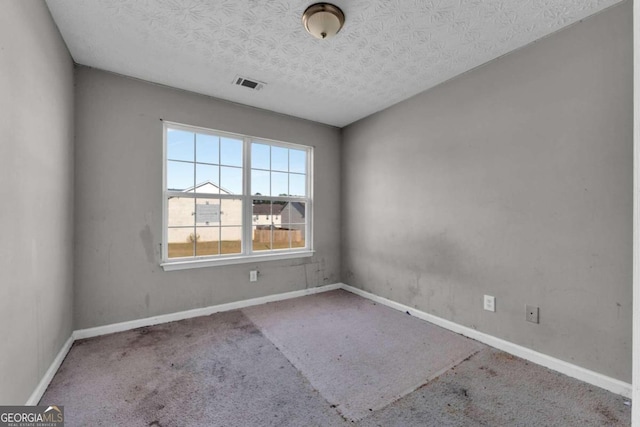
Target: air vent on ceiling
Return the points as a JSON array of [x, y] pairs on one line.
[[248, 83]]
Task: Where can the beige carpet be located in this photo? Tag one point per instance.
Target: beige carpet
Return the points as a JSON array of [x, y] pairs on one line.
[[216, 370], [321, 360], [359, 355]]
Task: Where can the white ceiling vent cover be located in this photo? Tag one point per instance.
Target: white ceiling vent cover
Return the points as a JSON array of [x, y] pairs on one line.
[[248, 83]]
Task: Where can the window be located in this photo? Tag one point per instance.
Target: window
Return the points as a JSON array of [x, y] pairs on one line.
[[231, 198]]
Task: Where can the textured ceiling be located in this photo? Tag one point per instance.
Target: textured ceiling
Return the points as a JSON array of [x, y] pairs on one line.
[[387, 51]]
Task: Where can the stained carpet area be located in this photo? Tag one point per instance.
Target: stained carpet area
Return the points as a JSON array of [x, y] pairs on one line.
[[359, 355], [494, 389], [217, 370], [332, 359]]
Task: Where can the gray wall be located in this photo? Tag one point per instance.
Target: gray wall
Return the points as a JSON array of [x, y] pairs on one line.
[[36, 213], [513, 180], [119, 202]]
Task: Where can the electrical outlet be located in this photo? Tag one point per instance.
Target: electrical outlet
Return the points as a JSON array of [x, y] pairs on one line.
[[253, 276], [489, 303], [533, 314]]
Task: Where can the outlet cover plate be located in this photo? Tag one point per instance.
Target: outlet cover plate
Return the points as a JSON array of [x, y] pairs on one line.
[[489, 303], [533, 314], [253, 276]]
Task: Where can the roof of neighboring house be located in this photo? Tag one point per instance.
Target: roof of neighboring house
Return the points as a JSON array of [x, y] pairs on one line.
[[267, 209], [202, 184]]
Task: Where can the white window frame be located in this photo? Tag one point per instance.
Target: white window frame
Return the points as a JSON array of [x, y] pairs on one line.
[[247, 255]]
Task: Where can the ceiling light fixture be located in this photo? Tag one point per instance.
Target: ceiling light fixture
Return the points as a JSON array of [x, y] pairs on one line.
[[323, 20]]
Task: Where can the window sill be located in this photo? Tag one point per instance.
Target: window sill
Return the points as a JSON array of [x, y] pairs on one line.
[[209, 262]]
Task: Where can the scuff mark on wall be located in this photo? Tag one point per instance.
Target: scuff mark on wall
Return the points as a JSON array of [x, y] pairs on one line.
[[109, 259], [444, 258], [312, 275], [147, 242], [414, 291]]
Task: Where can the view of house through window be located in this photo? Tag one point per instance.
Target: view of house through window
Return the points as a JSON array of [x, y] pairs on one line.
[[233, 196]]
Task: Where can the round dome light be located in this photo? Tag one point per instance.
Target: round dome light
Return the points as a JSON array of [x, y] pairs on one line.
[[323, 20]]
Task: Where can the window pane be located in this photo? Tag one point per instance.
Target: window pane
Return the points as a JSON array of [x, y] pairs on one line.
[[230, 180], [281, 238], [181, 212], [207, 241], [181, 226], [297, 236], [231, 152], [231, 212], [279, 159], [285, 238], [179, 243], [261, 237], [297, 161], [279, 184], [231, 240], [260, 156], [297, 219], [207, 148], [261, 212], [180, 145], [294, 213], [261, 219], [260, 183], [297, 185], [285, 214], [179, 176], [276, 211], [207, 212], [207, 179], [298, 213]]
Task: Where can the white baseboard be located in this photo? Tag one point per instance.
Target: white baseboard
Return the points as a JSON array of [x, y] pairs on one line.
[[205, 311], [574, 371], [48, 376], [155, 320], [569, 369]]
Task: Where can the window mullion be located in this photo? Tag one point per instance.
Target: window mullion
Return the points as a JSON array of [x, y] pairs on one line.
[[308, 229], [219, 164], [195, 229], [247, 205]]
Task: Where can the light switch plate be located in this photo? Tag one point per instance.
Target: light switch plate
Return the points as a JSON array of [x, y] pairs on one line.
[[489, 303]]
